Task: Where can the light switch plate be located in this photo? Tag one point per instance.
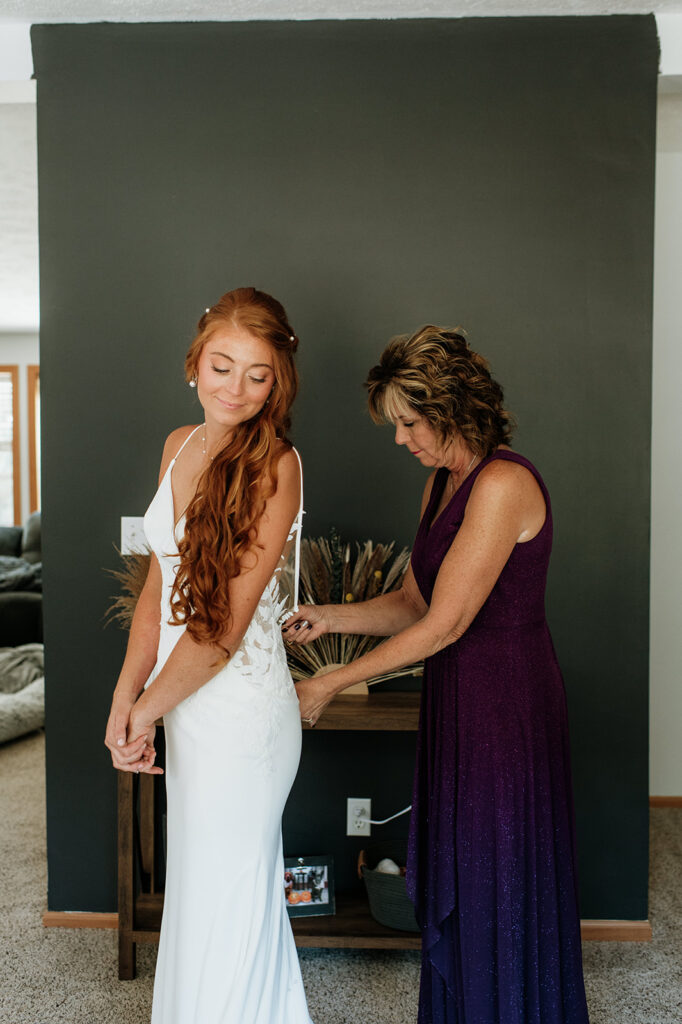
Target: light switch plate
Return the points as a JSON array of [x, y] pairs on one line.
[[133, 540]]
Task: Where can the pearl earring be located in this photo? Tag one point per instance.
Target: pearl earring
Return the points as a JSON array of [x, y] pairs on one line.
[[193, 382]]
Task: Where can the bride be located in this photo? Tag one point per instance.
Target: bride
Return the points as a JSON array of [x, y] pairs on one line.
[[206, 629]]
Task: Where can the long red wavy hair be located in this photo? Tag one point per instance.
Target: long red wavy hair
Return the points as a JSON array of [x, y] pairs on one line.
[[222, 519]]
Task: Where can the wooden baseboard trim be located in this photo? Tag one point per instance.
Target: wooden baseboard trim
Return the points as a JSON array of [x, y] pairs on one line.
[[600, 931], [665, 801], [615, 931], [78, 919]]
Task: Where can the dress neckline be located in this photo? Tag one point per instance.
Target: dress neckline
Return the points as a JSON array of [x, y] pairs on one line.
[[176, 522], [169, 474], [508, 454], [437, 493]]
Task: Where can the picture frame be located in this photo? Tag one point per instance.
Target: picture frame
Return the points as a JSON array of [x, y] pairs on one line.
[[309, 885]]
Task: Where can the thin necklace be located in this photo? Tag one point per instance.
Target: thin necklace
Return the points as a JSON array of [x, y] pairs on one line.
[[203, 442], [466, 472]]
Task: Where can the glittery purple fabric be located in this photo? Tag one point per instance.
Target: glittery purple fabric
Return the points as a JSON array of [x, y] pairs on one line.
[[491, 863]]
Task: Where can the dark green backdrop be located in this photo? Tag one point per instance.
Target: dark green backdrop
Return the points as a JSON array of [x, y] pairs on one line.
[[374, 176]]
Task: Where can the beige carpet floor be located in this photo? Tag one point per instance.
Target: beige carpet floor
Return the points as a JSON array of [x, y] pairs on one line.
[[65, 976]]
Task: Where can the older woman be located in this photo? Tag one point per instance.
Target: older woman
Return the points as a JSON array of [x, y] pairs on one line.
[[491, 864]]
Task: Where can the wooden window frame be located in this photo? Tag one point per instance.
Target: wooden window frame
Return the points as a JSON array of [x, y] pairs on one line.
[[33, 372], [16, 446]]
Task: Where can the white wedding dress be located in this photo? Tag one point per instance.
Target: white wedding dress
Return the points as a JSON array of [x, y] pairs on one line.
[[226, 952]]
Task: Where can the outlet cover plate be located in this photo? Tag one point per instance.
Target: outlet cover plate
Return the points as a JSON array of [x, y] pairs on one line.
[[358, 813]]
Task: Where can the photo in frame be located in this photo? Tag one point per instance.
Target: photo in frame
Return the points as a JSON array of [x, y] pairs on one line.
[[309, 885]]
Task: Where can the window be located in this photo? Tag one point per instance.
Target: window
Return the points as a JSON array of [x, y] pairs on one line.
[[10, 483]]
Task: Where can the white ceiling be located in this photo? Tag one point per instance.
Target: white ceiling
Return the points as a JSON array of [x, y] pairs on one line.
[[37, 11]]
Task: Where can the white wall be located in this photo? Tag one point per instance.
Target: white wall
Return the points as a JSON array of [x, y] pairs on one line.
[[18, 218], [19, 315], [21, 350], [666, 523]]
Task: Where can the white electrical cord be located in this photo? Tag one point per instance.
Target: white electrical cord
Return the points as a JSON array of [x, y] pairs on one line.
[[371, 821]]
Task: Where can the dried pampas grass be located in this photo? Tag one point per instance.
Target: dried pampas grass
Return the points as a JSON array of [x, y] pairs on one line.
[[131, 579]]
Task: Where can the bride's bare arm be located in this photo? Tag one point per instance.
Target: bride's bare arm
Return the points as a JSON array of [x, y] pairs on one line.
[[143, 643], [192, 664], [143, 640], [140, 659]]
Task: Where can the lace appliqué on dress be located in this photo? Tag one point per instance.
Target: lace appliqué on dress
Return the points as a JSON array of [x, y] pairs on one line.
[[261, 661]]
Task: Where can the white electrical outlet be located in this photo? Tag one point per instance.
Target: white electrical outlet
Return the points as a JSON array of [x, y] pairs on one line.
[[358, 813], [133, 540]]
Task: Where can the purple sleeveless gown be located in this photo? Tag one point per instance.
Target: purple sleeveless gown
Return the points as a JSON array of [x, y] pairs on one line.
[[492, 863]]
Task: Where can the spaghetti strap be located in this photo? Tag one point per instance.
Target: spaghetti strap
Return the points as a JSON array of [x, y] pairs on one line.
[[298, 528], [191, 434]]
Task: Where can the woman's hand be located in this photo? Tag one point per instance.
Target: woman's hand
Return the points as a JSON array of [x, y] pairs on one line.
[[309, 622], [313, 696], [129, 739], [116, 736], [140, 727]]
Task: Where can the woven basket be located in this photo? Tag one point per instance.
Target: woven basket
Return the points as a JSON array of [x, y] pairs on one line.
[[389, 903]]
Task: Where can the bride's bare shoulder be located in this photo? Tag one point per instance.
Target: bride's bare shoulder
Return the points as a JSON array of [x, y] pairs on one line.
[[173, 444], [177, 437], [288, 469]]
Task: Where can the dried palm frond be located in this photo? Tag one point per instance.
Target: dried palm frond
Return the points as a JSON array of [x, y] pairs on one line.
[[331, 573], [315, 570], [336, 553], [131, 579]]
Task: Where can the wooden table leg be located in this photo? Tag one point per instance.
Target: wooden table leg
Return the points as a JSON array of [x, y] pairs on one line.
[[126, 876], [126, 956], [146, 798]]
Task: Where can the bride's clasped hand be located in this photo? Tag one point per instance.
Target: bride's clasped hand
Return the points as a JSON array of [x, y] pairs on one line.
[[130, 740]]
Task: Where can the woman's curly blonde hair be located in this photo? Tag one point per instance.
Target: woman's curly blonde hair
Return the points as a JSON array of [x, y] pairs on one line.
[[434, 373]]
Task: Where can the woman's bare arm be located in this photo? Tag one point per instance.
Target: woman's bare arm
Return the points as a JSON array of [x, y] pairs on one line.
[[139, 661], [503, 501], [385, 615], [380, 616], [143, 641]]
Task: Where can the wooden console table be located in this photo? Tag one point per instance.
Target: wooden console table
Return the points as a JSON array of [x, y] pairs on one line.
[[140, 899]]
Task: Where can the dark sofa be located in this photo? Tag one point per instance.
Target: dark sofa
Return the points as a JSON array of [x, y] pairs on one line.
[[21, 600]]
